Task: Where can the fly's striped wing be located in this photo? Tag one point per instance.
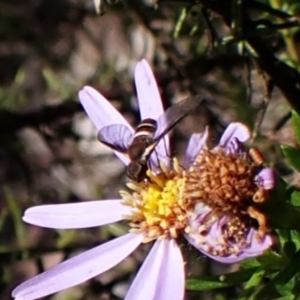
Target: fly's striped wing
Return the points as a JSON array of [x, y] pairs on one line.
[[174, 114], [116, 136]]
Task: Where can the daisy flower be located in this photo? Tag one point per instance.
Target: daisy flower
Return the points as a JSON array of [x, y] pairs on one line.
[[225, 186], [157, 210]]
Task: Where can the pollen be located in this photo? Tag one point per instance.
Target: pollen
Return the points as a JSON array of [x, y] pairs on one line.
[[157, 207], [225, 180], [226, 183]]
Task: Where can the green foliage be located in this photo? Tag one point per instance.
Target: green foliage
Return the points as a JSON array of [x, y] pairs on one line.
[[296, 125], [292, 155], [180, 22], [215, 282], [57, 85], [16, 214], [14, 97]]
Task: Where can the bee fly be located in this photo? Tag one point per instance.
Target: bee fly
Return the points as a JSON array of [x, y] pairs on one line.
[[140, 144]]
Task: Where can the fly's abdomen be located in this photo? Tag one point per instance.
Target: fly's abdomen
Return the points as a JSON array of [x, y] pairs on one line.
[[146, 127], [138, 147]]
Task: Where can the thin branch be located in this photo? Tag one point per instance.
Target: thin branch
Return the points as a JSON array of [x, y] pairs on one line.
[[283, 76], [12, 121]]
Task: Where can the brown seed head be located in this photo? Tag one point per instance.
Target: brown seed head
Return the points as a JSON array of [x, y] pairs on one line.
[[225, 182]]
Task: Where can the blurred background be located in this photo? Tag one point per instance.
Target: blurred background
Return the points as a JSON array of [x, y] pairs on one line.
[[243, 57]]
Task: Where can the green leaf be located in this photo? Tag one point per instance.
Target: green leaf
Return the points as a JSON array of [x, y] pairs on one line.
[[277, 283], [292, 155], [207, 283], [271, 260], [180, 21], [295, 198], [284, 216], [296, 125], [280, 213], [255, 279], [289, 249], [295, 238], [252, 284], [296, 288], [250, 263], [289, 297], [285, 289]]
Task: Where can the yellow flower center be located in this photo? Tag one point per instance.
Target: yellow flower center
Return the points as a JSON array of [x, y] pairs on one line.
[[218, 184], [158, 209]]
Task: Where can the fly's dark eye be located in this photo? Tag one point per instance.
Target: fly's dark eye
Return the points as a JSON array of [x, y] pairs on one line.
[[133, 169]]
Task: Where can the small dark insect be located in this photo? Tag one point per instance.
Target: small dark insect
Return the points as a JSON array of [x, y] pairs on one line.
[[256, 156], [140, 144]]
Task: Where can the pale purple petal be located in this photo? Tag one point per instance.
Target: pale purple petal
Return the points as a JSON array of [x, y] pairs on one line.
[[101, 112], [266, 178], [258, 245], [79, 268], [234, 131], [171, 281], [145, 282], [257, 248], [234, 146], [99, 109], [196, 143], [214, 240], [76, 215], [147, 92], [151, 106], [161, 275]]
